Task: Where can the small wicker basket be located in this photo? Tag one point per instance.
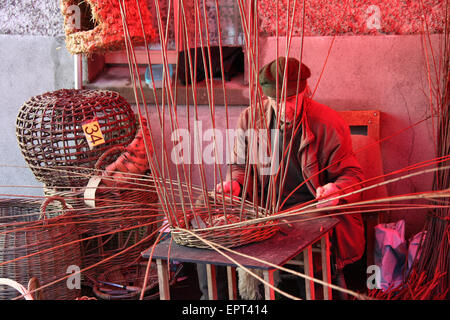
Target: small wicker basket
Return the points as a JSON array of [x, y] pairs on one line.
[[229, 235]]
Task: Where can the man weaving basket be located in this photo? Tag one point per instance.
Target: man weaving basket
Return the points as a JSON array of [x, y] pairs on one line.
[[315, 155]]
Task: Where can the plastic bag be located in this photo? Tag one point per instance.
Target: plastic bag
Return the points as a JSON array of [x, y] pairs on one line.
[[390, 253], [414, 246]]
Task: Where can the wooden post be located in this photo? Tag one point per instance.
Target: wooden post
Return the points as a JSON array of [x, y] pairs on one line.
[[212, 285], [269, 293], [78, 71], [232, 289], [326, 266], [163, 279], [309, 271]]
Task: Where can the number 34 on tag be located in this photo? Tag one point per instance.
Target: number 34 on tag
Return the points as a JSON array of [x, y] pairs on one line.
[[93, 133]]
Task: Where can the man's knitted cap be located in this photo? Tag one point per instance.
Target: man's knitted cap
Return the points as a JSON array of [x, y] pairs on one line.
[[267, 78]]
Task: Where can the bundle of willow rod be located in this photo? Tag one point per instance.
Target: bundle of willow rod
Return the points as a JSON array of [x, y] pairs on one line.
[[24, 230], [430, 274], [187, 212], [435, 249], [416, 287]]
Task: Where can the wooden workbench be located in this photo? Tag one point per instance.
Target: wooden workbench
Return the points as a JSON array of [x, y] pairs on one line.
[[278, 250]]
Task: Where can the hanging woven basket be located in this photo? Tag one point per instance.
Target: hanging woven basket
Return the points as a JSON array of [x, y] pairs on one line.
[[50, 133], [32, 245], [96, 25]]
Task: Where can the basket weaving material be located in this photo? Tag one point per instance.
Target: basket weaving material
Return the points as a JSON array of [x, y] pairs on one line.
[[112, 217], [22, 234], [228, 236], [101, 26], [51, 138], [101, 247]]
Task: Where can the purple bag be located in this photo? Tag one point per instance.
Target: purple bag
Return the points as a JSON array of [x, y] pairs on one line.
[[413, 249], [390, 253]]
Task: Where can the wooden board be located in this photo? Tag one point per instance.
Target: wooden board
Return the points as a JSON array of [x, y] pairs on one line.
[[368, 118], [277, 250]]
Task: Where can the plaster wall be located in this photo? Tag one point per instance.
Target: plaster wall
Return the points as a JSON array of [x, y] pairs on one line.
[[33, 60], [29, 66], [31, 17], [386, 73]]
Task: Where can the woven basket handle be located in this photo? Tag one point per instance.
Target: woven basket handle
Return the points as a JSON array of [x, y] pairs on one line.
[[13, 284], [46, 203], [107, 153]]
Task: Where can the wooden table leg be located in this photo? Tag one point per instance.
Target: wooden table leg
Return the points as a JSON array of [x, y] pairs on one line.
[[232, 289], [212, 285], [269, 293], [309, 271], [326, 266], [163, 279]]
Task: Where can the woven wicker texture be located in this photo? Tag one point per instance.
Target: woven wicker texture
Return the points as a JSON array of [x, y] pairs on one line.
[[229, 236], [121, 201], [115, 211], [50, 134], [101, 27], [73, 198], [21, 234]]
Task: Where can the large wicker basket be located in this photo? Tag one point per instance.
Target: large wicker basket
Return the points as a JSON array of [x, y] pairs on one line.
[[35, 247], [52, 139]]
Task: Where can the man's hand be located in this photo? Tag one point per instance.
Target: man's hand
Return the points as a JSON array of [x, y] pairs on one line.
[[234, 186], [330, 190]]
